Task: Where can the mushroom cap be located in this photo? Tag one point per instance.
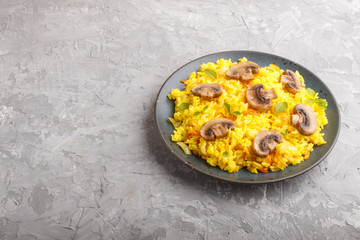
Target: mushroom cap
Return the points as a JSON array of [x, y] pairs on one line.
[[258, 98], [243, 71], [207, 90], [291, 80], [216, 128], [304, 119], [265, 142]]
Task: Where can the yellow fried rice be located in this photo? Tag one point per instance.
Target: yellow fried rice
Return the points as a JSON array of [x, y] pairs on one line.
[[234, 151]]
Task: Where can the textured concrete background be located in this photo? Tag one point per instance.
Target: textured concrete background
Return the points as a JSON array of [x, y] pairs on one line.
[[80, 157]]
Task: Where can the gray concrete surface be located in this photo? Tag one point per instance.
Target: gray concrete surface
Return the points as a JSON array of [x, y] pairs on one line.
[[79, 153]]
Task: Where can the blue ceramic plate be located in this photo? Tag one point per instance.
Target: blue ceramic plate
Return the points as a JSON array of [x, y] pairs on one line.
[[164, 108]]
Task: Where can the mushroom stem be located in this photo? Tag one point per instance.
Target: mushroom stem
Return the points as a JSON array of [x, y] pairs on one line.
[[295, 119]]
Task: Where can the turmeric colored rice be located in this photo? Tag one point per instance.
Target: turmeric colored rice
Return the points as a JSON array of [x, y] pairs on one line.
[[234, 151]]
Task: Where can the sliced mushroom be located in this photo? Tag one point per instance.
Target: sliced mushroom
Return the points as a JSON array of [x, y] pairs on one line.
[[265, 142], [243, 71], [207, 91], [216, 128], [258, 98], [304, 119], [291, 80]]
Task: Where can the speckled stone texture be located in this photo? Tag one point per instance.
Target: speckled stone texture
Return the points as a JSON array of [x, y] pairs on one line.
[[80, 157]]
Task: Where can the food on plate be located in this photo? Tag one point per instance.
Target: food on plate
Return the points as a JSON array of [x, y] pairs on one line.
[[243, 71], [207, 91], [265, 142], [216, 128], [258, 98], [239, 115], [291, 81], [304, 119]]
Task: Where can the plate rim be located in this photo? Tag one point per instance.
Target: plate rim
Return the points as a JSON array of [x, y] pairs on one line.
[[241, 181]]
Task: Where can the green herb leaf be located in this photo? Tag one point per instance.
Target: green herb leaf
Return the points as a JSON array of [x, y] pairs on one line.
[[270, 69], [281, 107], [236, 113], [285, 132], [322, 103], [211, 73], [183, 106], [227, 106], [310, 101], [311, 92], [203, 110], [225, 154]]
